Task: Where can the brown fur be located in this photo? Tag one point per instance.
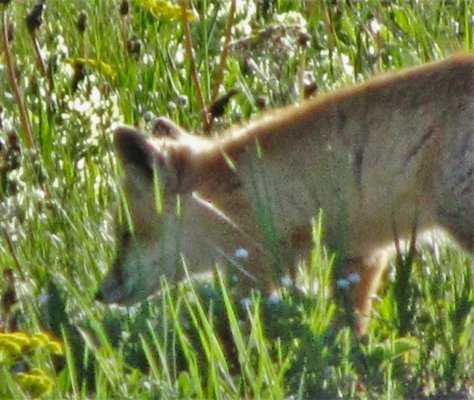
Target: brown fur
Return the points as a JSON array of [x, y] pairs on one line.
[[383, 157]]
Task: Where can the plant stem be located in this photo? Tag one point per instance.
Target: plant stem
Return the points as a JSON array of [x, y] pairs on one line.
[[40, 61], [30, 141], [225, 50], [192, 66]]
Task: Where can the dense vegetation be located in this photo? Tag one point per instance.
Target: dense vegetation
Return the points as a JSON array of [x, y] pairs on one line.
[[70, 72]]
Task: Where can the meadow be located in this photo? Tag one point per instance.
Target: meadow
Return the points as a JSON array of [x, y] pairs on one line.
[[70, 72]]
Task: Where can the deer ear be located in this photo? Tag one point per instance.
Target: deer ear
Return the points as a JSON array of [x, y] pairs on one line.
[[143, 159], [164, 127]]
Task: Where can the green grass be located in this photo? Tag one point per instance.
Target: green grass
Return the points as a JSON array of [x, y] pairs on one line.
[[57, 197]]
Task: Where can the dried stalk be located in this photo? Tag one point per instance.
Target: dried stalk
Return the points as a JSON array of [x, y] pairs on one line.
[[225, 51], [25, 122], [40, 60], [192, 66]]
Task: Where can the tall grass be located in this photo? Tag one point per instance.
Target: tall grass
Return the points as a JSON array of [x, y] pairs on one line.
[[58, 191]]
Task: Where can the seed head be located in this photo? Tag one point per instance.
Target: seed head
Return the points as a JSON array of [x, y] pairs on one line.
[[79, 75], [217, 108], [182, 101], [124, 8], [82, 22], [261, 103], [10, 32], [34, 18], [303, 39], [310, 89], [134, 47]]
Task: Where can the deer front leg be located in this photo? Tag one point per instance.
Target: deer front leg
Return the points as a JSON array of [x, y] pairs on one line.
[[358, 280]]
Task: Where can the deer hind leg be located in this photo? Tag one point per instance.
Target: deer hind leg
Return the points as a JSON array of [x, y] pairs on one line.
[[454, 194], [455, 212], [461, 231], [357, 284]]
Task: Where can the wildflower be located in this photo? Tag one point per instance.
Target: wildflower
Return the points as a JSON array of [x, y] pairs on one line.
[[455, 27], [353, 278], [343, 284], [53, 345], [286, 281], [35, 381], [100, 66], [182, 100], [165, 9], [375, 26], [246, 302], [12, 344], [274, 298], [15, 343], [241, 253], [346, 64], [148, 116]]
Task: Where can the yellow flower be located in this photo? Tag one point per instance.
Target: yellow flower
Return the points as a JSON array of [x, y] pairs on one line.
[[18, 345], [36, 382], [13, 343], [55, 347], [39, 339], [165, 9], [44, 340], [100, 66], [9, 347]]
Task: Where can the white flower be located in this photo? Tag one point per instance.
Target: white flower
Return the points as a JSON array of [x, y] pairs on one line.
[[348, 68], [81, 164], [456, 27], [39, 194], [95, 97], [291, 18], [343, 284], [353, 278], [286, 281], [180, 54], [375, 26], [246, 302], [241, 253], [274, 298]]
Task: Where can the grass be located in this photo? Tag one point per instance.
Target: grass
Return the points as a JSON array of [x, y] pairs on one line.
[[58, 191]]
